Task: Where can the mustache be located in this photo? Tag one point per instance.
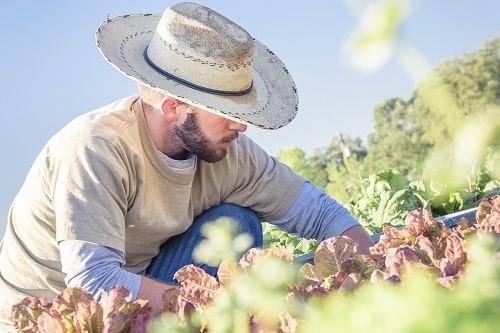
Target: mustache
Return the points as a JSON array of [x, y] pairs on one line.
[[230, 138]]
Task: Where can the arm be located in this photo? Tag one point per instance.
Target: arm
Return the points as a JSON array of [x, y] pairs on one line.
[[316, 215], [92, 194], [98, 268]]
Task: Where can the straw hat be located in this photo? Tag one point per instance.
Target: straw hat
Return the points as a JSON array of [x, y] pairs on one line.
[[202, 58]]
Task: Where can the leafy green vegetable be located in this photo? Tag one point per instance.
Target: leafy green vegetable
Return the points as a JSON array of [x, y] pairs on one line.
[[75, 310], [417, 305], [387, 197], [425, 276], [275, 236]]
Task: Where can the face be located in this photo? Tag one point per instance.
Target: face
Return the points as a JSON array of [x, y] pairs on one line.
[[207, 135]]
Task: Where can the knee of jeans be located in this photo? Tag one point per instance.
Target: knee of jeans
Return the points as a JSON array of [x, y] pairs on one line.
[[248, 220]]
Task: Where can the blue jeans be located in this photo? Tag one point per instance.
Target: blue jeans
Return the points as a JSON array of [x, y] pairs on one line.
[[178, 250]]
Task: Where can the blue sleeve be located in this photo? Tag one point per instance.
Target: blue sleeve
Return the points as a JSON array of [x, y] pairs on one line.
[[316, 215], [96, 268]]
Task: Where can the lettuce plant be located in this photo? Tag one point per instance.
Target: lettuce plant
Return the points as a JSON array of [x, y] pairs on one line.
[[75, 310]]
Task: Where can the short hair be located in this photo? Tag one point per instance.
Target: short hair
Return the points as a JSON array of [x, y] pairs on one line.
[[150, 95]]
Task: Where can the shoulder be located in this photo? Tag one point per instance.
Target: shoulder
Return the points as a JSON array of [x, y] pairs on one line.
[[107, 122], [246, 155], [244, 147], [109, 119]]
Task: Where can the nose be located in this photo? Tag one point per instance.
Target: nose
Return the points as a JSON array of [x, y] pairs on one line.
[[236, 126]]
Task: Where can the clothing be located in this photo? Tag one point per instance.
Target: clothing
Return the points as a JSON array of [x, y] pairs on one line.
[[308, 216], [137, 201], [177, 251], [96, 268]]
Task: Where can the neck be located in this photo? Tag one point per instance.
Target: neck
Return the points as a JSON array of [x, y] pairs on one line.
[[161, 133]]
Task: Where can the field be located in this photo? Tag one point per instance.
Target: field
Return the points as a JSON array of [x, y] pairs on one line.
[[424, 277]]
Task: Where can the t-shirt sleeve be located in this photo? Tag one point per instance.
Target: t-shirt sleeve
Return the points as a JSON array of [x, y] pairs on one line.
[[262, 182], [90, 193], [316, 215], [96, 268]]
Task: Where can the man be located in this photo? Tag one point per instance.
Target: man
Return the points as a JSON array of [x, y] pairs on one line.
[[118, 196]]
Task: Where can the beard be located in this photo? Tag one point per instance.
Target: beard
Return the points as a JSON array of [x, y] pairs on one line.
[[194, 141]]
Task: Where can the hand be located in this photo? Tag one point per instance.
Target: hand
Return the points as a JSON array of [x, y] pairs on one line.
[[360, 236]]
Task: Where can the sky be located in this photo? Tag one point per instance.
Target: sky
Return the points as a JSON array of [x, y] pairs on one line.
[[53, 72]]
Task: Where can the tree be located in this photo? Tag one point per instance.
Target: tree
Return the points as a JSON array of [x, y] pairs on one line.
[[395, 143], [406, 132], [336, 168], [308, 168], [344, 167]]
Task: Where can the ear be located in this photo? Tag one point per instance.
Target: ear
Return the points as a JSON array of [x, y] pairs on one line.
[[169, 109]]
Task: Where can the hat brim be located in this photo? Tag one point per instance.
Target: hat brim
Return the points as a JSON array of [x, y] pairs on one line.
[[272, 102]]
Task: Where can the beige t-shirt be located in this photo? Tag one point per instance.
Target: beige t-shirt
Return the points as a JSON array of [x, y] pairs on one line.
[[101, 179]]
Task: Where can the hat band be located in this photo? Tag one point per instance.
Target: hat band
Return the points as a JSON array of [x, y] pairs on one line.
[[193, 85]]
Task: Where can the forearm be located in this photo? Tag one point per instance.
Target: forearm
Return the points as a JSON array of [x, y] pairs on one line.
[[316, 215], [96, 268]]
